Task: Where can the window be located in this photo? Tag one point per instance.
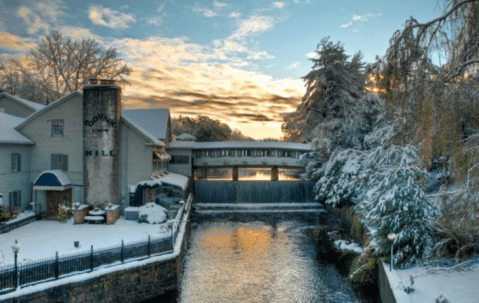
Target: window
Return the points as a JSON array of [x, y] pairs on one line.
[[15, 198], [59, 161], [57, 127], [180, 160], [16, 162]]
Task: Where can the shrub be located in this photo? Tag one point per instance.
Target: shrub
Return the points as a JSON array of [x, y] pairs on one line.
[[63, 214], [364, 269]]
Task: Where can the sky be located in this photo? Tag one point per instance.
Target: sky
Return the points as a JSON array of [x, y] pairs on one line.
[[237, 61]]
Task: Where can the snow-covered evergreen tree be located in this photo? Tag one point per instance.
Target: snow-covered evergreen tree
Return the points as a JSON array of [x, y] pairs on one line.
[[395, 201]]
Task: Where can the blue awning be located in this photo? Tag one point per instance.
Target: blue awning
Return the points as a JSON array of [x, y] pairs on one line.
[[52, 180]]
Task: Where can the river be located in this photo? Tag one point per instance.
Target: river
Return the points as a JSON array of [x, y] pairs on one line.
[[259, 262]]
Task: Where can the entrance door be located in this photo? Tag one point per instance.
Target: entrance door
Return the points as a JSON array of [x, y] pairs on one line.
[[55, 198]]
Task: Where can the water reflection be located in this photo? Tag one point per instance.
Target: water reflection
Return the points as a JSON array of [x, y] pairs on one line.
[[258, 262], [247, 174]]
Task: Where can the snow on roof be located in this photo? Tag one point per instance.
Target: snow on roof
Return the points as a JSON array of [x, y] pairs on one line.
[[163, 156], [240, 144], [143, 132], [185, 136], [152, 120], [173, 179], [52, 180], [150, 183], [8, 133], [32, 105]]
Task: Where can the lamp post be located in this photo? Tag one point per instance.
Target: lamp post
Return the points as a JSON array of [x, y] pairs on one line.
[[16, 250], [391, 237]]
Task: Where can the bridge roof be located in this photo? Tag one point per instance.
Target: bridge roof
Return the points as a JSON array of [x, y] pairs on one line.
[[240, 145]]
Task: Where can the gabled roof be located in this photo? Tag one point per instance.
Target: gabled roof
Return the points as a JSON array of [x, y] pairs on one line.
[[152, 120], [48, 107], [8, 133], [142, 132], [32, 105]]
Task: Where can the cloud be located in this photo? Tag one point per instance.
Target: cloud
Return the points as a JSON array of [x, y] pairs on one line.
[[9, 41], [77, 33], [234, 15], [204, 11], [219, 4], [294, 64], [158, 19], [33, 21], [193, 79], [260, 55], [50, 9], [279, 4], [107, 17], [360, 18], [311, 55], [252, 25]]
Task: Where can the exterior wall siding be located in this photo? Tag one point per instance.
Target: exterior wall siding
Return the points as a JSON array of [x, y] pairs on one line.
[[137, 159], [39, 131], [182, 169], [9, 180], [14, 108]]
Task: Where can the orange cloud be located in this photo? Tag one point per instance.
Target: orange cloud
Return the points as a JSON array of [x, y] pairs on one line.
[[13, 42], [192, 79]]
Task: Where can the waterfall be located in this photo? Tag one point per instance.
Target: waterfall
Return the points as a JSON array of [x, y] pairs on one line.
[[253, 191]]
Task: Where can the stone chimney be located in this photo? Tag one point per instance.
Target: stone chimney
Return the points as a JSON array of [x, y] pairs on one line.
[[101, 142]]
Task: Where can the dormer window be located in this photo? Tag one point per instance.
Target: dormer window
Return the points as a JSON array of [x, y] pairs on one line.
[[57, 127]]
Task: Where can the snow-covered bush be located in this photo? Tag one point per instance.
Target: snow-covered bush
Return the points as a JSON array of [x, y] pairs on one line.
[[152, 213]]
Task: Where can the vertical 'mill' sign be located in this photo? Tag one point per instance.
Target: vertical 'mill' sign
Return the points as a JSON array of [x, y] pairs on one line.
[[101, 142]]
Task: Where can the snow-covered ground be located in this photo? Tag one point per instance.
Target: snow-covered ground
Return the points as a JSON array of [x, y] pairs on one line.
[[431, 285], [41, 239]]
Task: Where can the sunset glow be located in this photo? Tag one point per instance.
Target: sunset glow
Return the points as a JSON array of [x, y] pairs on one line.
[[237, 61]]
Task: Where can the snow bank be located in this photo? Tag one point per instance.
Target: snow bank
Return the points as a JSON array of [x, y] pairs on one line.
[[153, 213], [348, 246]]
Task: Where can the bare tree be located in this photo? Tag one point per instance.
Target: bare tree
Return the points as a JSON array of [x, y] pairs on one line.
[[16, 79], [67, 64]]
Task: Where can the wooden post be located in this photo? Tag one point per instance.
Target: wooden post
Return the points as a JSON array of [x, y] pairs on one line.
[[235, 173], [274, 173]]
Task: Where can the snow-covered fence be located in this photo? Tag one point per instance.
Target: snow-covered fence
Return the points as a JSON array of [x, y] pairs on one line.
[[59, 266], [179, 215]]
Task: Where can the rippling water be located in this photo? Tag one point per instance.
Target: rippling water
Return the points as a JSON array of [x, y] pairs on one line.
[[258, 262]]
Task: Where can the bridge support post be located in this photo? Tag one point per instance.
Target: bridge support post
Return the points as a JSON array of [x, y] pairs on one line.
[[235, 173], [274, 173]]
